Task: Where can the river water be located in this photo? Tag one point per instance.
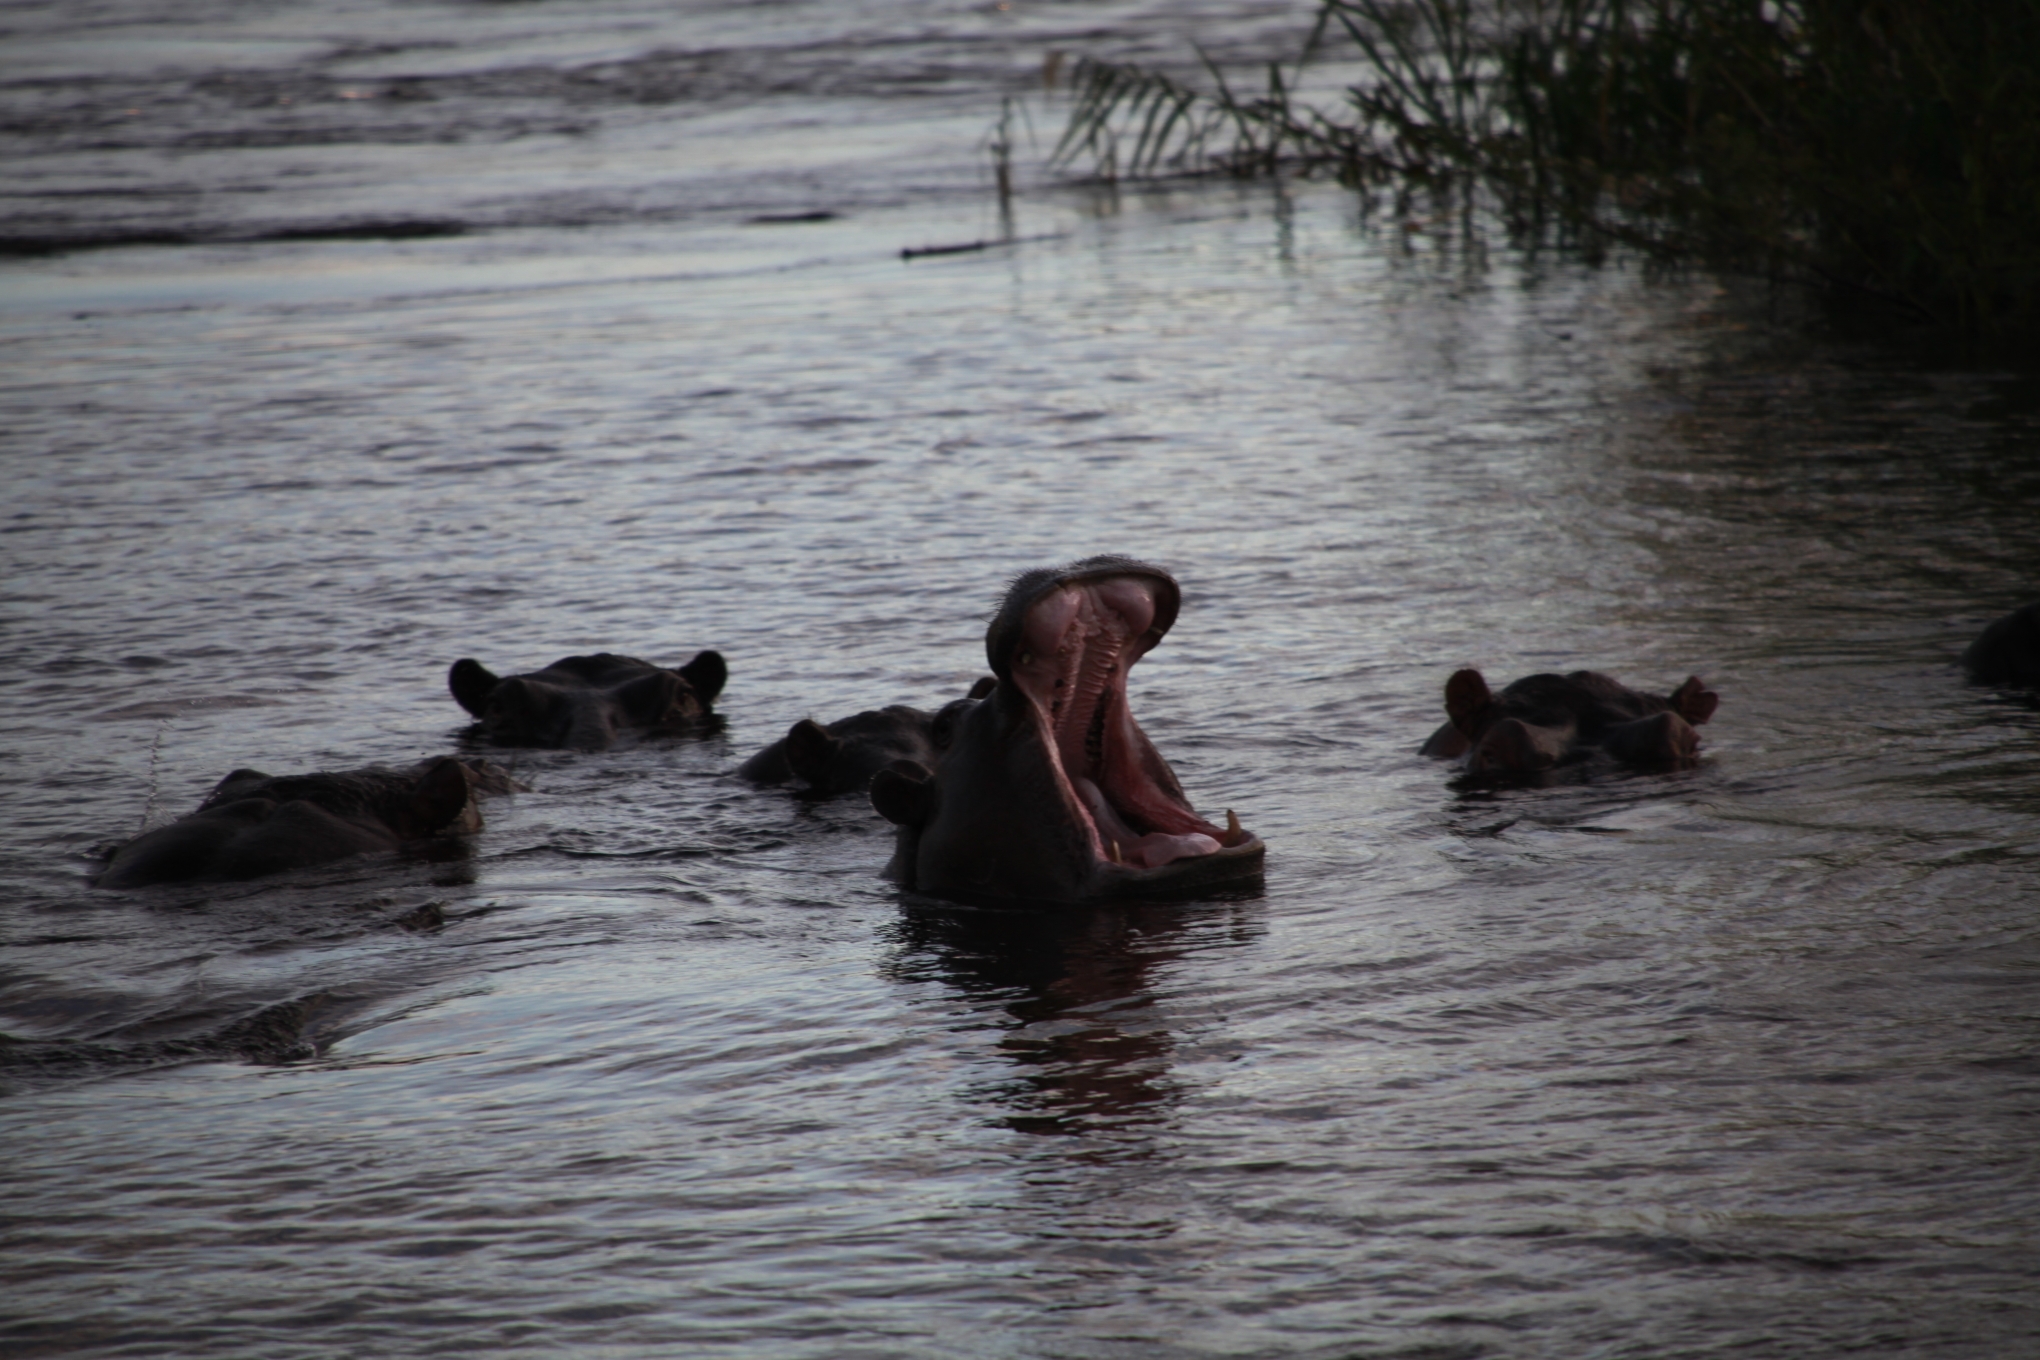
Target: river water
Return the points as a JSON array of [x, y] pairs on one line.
[[1735, 1061]]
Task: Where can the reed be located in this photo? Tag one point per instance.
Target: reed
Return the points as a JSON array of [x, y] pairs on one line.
[[1888, 150]]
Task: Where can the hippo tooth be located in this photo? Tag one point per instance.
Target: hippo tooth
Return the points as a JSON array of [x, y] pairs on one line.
[[1232, 827], [1114, 851]]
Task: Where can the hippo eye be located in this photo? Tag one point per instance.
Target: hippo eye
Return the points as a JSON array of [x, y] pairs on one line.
[[1023, 659]]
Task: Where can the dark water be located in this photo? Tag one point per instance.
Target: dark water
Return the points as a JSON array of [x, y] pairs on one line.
[[1740, 1061]]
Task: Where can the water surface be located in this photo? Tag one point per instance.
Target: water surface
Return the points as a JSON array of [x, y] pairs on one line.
[[1739, 1060]]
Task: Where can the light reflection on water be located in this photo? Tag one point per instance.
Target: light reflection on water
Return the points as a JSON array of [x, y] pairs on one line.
[[1732, 1060]]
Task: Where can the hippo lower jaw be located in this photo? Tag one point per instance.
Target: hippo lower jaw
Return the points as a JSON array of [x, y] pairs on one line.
[[1183, 869], [1077, 644]]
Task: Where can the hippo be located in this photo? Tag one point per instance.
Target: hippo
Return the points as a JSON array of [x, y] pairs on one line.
[[582, 702], [1048, 790], [842, 756], [1543, 721], [2008, 652], [254, 824]]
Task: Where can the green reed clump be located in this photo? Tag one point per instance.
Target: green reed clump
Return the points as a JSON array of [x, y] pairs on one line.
[[1888, 148]]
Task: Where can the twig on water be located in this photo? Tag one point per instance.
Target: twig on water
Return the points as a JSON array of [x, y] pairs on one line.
[[965, 247]]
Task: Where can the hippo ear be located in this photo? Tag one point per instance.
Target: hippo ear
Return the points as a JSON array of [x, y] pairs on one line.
[[471, 682], [983, 685], [708, 673], [904, 793], [810, 749], [1694, 702], [441, 800], [1466, 694]]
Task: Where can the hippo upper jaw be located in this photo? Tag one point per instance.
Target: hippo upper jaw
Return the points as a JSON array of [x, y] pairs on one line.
[[1050, 789], [1079, 635]]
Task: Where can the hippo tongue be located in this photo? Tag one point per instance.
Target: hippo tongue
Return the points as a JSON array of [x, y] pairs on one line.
[[1128, 846], [1077, 643]]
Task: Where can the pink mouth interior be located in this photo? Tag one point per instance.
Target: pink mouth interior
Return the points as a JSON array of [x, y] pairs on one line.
[[1077, 645]]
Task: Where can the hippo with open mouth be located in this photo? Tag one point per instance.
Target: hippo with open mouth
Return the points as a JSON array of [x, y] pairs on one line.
[[1049, 790]]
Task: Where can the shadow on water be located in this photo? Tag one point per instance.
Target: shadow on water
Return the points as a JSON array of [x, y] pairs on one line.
[[1075, 994], [1573, 797], [271, 972], [296, 1030]]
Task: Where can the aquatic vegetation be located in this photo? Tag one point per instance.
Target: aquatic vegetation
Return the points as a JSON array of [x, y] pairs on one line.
[[1886, 151]]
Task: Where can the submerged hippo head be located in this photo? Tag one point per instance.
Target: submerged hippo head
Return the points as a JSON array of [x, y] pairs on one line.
[[1048, 789], [842, 756], [255, 824], [1544, 721], [583, 702]]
